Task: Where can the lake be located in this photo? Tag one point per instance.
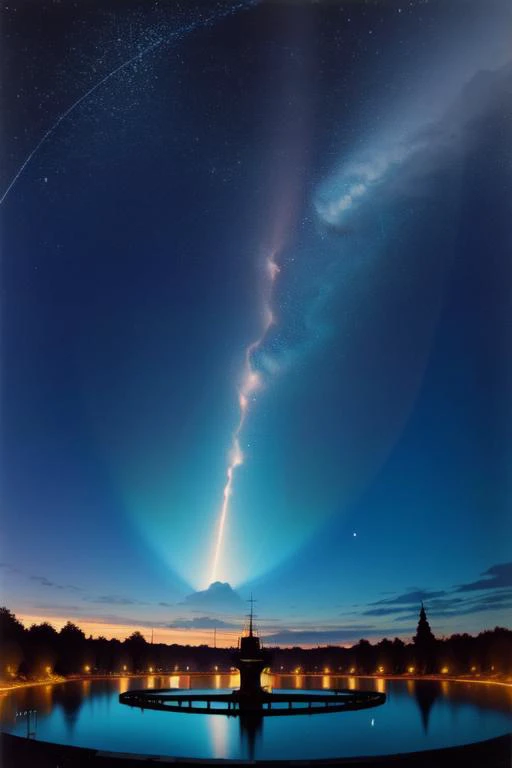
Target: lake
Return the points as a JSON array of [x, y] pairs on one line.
[[417, 715]]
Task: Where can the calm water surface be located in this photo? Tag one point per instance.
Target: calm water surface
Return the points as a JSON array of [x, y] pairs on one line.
[[417, 715]]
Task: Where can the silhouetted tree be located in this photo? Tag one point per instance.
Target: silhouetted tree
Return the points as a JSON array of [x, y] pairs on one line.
[[29, 652], [11, 643], [70, 633], [72, 650], [136, 647], [41, 648]]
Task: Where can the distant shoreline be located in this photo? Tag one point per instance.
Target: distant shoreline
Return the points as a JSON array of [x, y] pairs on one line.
[[8, 687]]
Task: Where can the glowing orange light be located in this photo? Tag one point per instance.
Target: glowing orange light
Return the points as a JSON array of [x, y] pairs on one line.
[[445, 670], [327, 671], [151, 669], [411, 670], [381, 669], [124, 667], [48, 670], [87, 668]]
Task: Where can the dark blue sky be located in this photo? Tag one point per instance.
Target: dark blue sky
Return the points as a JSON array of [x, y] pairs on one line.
[[364, 150]]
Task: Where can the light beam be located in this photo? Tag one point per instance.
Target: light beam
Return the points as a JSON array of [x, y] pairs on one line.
[[251, 382]]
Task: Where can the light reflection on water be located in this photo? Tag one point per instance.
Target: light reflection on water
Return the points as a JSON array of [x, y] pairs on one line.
[[219, 732], [417, 715]]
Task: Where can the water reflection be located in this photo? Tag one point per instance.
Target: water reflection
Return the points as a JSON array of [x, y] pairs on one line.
[[219, 730], [251, 730], [426, 694], [70, 701], [86, 687], [412, 718], [123, 684]]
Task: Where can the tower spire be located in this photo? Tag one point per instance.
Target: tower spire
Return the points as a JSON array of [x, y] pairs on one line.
[[251, 615]]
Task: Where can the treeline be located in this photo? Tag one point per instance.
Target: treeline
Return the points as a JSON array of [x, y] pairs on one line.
[[42, 651]]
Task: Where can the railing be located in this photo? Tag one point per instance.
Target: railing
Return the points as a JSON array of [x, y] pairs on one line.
[[266, 703]]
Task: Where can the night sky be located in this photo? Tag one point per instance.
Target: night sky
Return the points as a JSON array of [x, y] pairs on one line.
[[271, 237]]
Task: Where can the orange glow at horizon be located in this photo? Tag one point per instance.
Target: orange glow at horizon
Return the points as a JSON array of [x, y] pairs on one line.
[[98, 628]]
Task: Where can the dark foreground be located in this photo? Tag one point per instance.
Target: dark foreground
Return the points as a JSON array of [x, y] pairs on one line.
[[18, 752]]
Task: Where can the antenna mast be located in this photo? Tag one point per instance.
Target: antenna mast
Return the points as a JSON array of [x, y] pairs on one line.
[[251, 615]]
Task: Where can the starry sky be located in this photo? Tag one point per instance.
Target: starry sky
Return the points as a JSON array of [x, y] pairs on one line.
[[270, 238]]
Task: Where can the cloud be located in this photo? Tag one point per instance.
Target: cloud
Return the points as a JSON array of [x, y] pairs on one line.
[[60, 608], [496, 582], [495, 576], [219, 596], [43, 581], [450, 606], [389, 611], [114, 600], [201, 622], [401, 166], [462, 607], [288, 637], [410, 598]]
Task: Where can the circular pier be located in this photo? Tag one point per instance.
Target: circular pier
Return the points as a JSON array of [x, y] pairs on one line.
[[234, 703]]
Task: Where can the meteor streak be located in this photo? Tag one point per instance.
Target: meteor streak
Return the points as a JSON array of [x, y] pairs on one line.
[[251, 382], [70, 109], [188, 28]]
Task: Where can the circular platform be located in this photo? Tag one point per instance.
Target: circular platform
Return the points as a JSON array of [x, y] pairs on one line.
[[232, 703]]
